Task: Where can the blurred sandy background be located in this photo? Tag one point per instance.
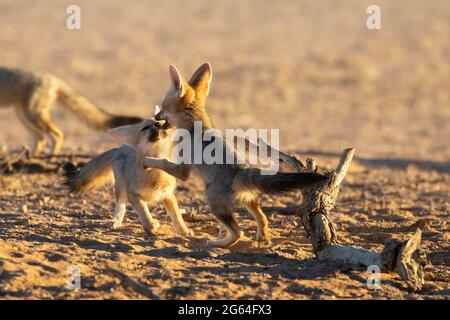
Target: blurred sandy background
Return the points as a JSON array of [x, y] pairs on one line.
[[310, 68]]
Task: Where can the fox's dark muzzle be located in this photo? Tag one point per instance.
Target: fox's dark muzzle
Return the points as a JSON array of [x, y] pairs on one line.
[[166, 125], [158, 116]]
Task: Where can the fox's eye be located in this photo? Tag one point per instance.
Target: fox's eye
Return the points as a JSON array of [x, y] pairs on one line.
[[152, 135], [145, 128]]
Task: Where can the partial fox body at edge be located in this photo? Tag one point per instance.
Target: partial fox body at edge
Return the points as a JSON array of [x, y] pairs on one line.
[[33, 95], [227, 185], [133, 182]]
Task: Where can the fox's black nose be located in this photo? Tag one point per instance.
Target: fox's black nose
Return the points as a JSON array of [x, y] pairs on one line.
[[162, 124], [153, 136], [158, 116]]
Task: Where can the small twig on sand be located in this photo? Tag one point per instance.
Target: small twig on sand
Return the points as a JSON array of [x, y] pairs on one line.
[[133, 284]]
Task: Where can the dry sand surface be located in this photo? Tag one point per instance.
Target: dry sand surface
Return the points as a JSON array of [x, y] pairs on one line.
[[310, 68]]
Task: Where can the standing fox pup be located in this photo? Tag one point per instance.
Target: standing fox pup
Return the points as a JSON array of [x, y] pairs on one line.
[[132, 181], [227, 185], [33, 95]]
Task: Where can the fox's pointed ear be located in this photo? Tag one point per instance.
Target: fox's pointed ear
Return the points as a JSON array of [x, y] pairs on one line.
[[157, 109], [201, 79], [176, 81], [125, 133]]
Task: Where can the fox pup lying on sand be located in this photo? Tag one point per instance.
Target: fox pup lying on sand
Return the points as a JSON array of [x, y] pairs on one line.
[[132, 181], [33, 95], [227, 185]]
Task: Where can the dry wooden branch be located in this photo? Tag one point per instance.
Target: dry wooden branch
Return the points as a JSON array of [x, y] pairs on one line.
[[407, 259], [24, 162], [404, 257], [131, 283]]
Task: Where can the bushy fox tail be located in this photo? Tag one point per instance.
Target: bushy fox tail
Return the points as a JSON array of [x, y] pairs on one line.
[[89, 113], [95, 173], [252, 179]]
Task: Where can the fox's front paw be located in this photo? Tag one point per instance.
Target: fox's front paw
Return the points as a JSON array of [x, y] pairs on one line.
[[225, 242], [114, 224], [218, 244], [263, 239], [184, 231], [264, 243], [190, 233], [152, 229]]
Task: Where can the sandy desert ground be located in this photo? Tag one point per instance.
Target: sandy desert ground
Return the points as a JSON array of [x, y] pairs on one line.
[[310, 68]]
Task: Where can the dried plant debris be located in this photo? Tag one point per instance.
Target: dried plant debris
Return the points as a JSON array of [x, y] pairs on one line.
[[24, 162]]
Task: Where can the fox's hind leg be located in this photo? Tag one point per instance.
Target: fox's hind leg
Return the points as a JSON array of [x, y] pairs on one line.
[[37, 111], [37, 134], [171, 206], [56, 136], [39, 141], [150, 224], [226, 218], [118, 215], [121, 200], [262, 233]]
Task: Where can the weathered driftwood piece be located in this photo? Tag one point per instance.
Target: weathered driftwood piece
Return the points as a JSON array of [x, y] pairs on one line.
[[403, 257], [25, 162], [408, 262]]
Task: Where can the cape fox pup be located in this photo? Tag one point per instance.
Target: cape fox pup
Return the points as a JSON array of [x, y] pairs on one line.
[[227, 185], [33, 95], [132, 181]]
